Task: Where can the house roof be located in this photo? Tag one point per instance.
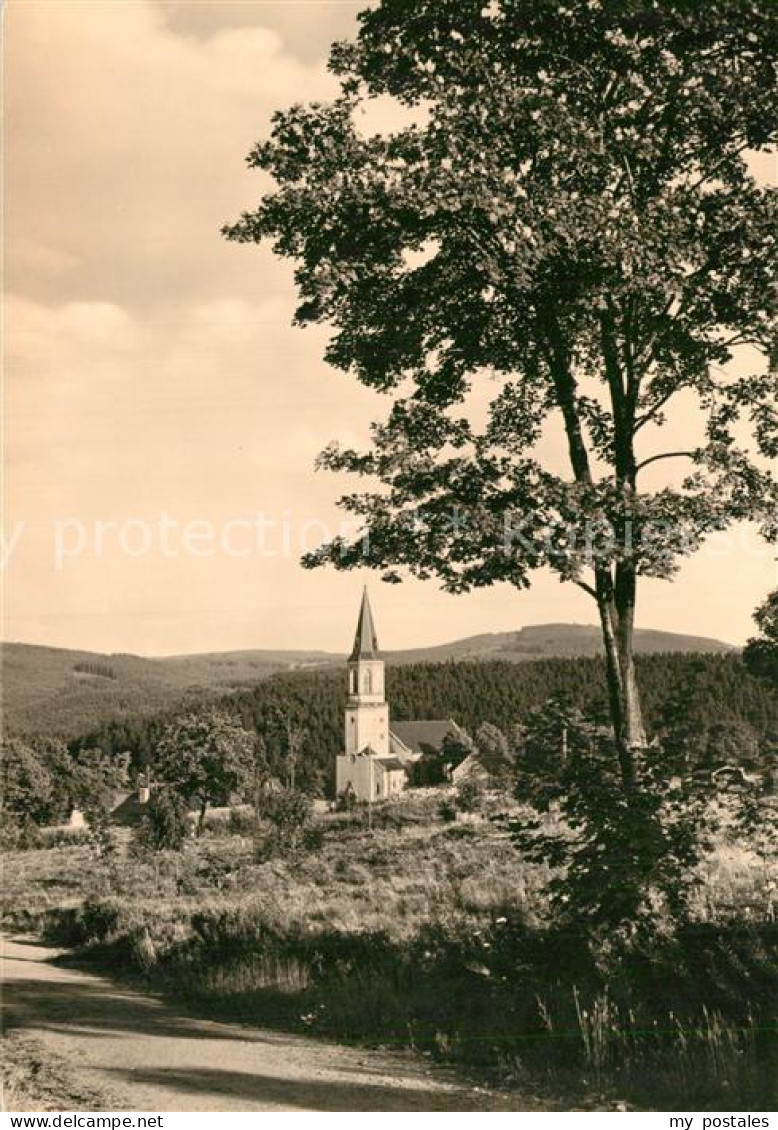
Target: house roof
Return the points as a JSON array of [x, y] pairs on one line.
[[365, 640], [119, 797], [424, 735], [470, 765], [127, 808], [491, 764]]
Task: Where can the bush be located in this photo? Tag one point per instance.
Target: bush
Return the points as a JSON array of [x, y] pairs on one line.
[[626, 859], [289, 814], [21, 835], [64, 837], [469, 796], [447, 809], [165, 825], [242, 822]]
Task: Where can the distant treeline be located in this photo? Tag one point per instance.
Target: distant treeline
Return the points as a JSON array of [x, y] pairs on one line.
[[723, 712], [101, 670]]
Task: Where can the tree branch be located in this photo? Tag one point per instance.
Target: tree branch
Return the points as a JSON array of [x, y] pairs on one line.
[[665, 455], [652, 412]]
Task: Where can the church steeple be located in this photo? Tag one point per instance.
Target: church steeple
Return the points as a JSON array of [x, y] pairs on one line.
[[365, 640], [367, 714]]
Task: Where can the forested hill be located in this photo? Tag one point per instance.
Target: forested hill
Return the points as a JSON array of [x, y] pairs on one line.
[[57, 691], [728, 713], [553, 641]]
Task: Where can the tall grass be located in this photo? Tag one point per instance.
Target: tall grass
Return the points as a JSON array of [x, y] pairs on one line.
[[674, 1062]]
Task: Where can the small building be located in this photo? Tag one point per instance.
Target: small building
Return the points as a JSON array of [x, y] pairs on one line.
[[483, 768], [128, 808], [423, 744]]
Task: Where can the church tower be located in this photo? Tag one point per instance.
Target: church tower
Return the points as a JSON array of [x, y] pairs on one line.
[[367, 713]]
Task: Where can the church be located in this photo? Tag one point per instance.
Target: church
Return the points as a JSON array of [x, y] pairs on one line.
[[380, 758]]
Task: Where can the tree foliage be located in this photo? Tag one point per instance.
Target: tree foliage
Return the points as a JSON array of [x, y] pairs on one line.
[[626, 862], [761, 653], [205, 757], [42, 782], [27, 787]]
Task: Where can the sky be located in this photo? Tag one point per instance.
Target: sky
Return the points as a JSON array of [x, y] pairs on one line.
[[162, 416]]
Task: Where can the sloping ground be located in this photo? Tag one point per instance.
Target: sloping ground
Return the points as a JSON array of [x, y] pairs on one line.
[[551, 641], [58, 691], [129, 1051], [50, 690]]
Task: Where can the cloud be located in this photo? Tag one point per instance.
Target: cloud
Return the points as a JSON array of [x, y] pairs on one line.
[[306, 27], [218, 398], [125, 150]]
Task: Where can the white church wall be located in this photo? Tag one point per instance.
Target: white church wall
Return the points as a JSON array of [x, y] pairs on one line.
[[365, 776]]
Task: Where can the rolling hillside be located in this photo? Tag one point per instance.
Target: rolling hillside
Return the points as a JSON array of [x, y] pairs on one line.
[[552, 641], [59, 691]]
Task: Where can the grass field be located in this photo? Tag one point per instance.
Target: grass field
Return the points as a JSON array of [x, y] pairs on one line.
[[432, 935]]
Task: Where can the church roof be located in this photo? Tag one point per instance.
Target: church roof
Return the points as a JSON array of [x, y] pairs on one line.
[[365, 640], [424, 735], [389, 763]]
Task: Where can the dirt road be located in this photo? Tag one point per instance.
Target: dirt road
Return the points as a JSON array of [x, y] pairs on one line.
[[134, 1052]]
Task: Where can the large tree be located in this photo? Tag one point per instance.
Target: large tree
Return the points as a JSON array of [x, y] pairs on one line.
[[564, 234], [206, 757]]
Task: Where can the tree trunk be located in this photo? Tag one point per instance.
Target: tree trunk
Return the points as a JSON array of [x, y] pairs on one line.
[[616, 605], [615, 590], [201, 817], [625, 594]]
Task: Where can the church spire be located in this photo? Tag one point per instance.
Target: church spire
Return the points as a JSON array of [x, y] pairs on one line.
[[365, 640]]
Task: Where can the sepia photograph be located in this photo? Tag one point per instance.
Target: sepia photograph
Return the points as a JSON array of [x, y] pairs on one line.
[[389, 648]]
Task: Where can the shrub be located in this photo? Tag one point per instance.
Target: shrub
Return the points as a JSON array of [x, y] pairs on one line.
[[64, 837], [100, 833], [626, 858], [21, 835], [242, 822], [447, 809], [165, 825], [289, 814], [469, 796]]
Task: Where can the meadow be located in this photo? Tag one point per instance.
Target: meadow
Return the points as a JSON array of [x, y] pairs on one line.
[[433, 934]]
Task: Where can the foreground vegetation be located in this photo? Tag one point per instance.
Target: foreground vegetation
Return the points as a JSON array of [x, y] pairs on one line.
[[432, 933], [34, 1078], [602, 945]]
